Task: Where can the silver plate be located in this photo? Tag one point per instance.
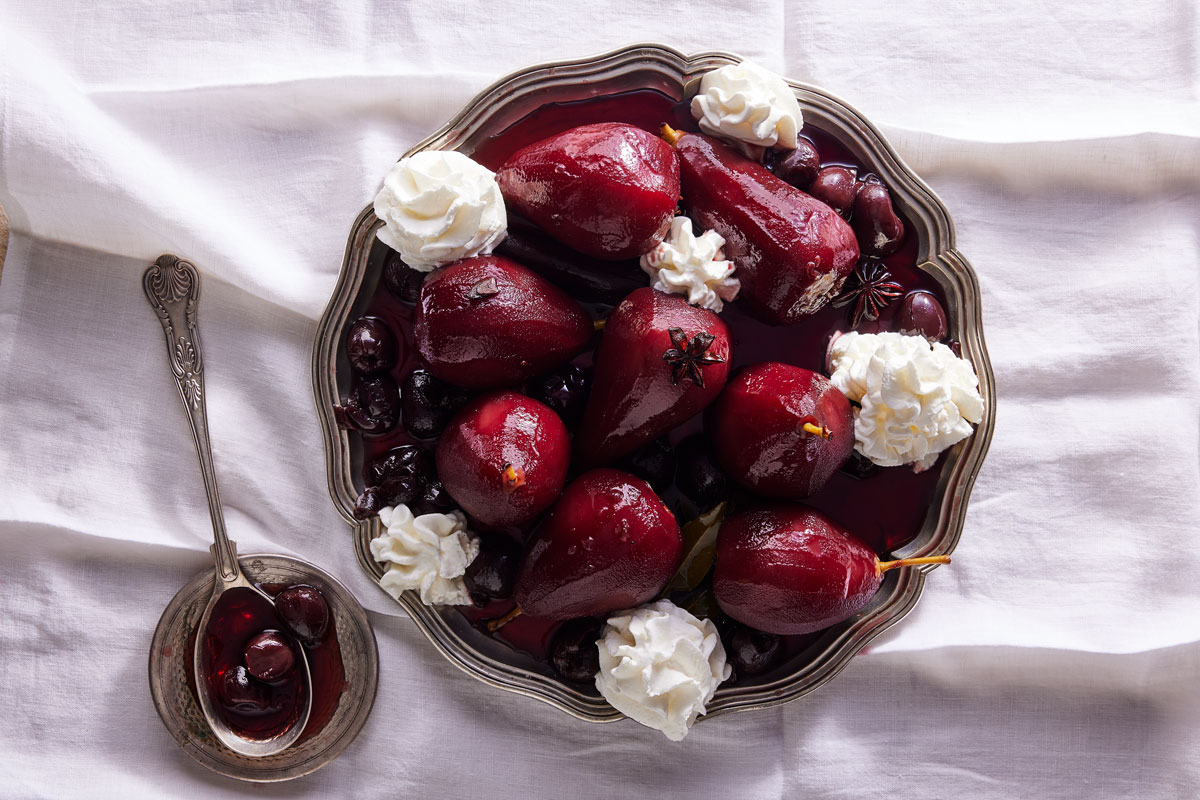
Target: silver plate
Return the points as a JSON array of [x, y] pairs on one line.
[[653, 66], [175, 700]]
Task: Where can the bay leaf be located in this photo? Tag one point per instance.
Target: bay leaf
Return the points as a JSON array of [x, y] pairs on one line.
[[699, 549]]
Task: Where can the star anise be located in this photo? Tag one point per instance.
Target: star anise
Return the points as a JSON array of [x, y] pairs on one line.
[[687, 357], [870, 289]]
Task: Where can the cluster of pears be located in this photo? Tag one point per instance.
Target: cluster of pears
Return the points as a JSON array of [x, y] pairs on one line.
[[608, 542]]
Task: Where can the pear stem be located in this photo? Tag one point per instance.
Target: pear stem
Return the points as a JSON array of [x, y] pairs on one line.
[[670, 134], [514, 477], [818, 430], [884, 566], [497, 624]]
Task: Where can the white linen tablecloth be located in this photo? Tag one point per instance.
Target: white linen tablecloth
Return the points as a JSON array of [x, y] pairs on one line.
[[1059, 657]]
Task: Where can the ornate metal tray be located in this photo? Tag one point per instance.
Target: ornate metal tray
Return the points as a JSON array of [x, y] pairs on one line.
[[652, 66]]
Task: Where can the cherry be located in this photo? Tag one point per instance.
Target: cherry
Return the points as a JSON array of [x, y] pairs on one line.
[[835, 187], [574, 652], [373, 407], [269, 657], [494, 571], [402, 280], [749, 651], [369, 503], [427, 404], [859, 466], [239, 692], [698, 476], [653, 462], [370, 345], [305, 612], [798, 167], [875, 223], [921, 314], [565, 391], [434, 499], [400, 474]]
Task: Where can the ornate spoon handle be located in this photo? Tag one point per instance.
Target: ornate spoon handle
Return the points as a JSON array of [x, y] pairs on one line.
[[173, 288]]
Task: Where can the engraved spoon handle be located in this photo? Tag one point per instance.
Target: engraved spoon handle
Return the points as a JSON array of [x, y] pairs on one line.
[[173, 288]]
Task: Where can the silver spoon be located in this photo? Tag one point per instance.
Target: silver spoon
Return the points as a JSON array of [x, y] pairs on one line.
[[173, 288]]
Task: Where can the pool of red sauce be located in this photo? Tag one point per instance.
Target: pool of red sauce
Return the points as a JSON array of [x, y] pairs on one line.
[[886, 509], [231, 625]]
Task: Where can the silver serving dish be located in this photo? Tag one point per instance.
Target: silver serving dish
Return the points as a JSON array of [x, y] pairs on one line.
[[652, 66]]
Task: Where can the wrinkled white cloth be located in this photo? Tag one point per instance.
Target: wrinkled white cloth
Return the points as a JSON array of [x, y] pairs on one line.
[[1056, 658]]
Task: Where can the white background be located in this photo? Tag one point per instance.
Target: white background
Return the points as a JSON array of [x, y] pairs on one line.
[[1057, 657]]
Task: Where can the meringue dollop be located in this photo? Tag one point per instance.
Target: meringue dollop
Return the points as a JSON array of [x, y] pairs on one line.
[[693, 266], [428, 554], [750, 104], [439, 206], [659, 665], [917, 399]]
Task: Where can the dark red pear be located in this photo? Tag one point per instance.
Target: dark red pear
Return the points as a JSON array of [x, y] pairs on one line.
[[782, 431], [608, 190], [789, 569], [488, 321], [660, 362], [609, 543], [504, 458], [792, 252]]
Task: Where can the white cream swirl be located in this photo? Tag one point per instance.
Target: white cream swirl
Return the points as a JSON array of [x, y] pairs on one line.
[[659, 665], [917, 399], [750, 104], [693, 266], [428, 553], [439, 206]]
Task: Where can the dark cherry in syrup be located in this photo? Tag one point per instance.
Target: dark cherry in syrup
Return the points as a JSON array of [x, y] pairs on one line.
[[698, 477], [878, 229], [750, 652], [370, 345], [373, 407], [305, 613], [921, 314], [653, 462], [835, 186], [565, 391], [402, 281], [494, 571], [573, 651], [239, 616], [427, 404], [798, 167], [269, 657]]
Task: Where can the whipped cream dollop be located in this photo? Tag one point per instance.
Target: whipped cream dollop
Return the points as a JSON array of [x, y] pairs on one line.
[[659, 665], [917, 399], [439, 206], [428, 554], [693, 266], [750, 104]]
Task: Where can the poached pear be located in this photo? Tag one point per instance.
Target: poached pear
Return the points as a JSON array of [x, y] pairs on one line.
[[608, 543], [792, 252], [790, 569], [782, 431], [488, 321], [608, 190], [504, 458], [660, 361]]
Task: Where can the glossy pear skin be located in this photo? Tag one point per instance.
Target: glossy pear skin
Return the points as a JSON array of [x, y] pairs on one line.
[[608, 190], [609, 543], [759, 435], [635, 398], [789, 569], [792, 252], [504, 458], [488, 321]]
